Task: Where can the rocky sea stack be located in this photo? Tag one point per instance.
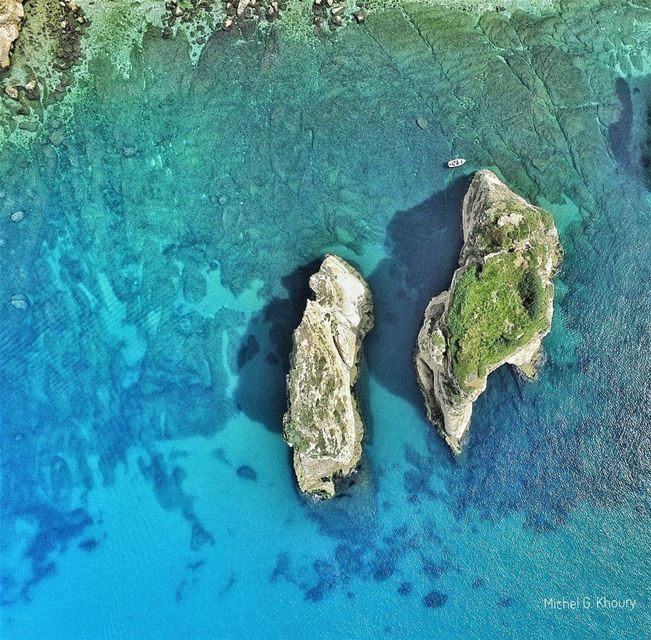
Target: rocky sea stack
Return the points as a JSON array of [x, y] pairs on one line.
[[322, 422], [498, 308], [11, 19]]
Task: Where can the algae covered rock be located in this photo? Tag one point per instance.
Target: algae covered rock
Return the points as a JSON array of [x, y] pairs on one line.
[[498, 308], [11, 18], [322, 422]]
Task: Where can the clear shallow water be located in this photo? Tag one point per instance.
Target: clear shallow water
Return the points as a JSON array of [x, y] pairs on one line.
[[146, 488]]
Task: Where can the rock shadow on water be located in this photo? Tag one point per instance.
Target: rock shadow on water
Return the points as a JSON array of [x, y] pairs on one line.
[[423, 245], [646, 149], [263, 356], [620, 132]]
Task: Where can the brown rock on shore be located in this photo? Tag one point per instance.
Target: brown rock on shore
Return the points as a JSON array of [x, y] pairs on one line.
[[11, 18]]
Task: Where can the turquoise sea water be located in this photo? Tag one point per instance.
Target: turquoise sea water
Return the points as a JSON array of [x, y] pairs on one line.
[[164, 257]]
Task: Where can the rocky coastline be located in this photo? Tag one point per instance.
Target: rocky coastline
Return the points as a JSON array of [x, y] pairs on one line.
[[498, 308], [322, 423], [12, 14]]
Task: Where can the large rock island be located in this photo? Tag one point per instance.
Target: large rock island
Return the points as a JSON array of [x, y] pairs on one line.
[[322, 422], [498, 308], [11, 18]]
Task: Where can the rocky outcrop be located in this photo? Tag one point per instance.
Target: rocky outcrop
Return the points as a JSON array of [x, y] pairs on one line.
[[498, 308], [11, 18], [322, 422]]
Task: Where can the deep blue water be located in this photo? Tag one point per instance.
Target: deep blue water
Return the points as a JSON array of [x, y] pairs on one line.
[[146, 488]]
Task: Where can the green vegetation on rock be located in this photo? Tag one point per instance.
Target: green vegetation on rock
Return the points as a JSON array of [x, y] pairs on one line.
[[502, 296], [496, 310]]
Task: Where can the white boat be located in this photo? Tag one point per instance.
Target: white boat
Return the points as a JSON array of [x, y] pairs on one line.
[[457, 162]]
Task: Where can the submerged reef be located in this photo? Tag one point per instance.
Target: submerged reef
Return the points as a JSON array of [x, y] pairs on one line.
[[11, 18], [322, 422], [498, 308], [67, 46]]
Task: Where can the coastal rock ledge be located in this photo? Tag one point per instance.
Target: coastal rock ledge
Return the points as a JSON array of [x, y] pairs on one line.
[[322, 422], [498, 308], [11, 19]]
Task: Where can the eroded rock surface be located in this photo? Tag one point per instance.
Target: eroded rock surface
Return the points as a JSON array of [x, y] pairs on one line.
[[498, 308], [322, 423], [11, 18]]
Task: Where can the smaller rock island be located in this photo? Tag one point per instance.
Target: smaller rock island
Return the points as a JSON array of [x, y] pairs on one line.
[[498, 308], [322, 423]]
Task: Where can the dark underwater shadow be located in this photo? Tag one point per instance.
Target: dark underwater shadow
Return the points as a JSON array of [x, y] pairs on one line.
[[620, 132], [629, 138], [263, 356], [645, 142], [423, 243]]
